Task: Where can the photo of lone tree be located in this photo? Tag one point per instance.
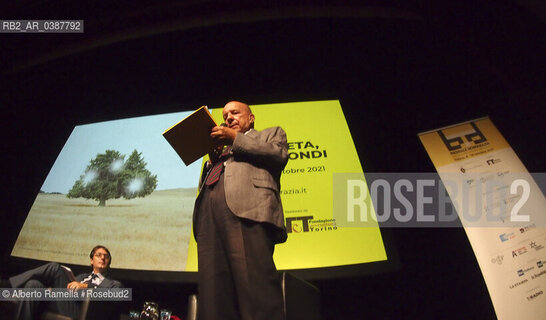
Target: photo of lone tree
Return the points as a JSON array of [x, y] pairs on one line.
[[121, 184], [109, 176]]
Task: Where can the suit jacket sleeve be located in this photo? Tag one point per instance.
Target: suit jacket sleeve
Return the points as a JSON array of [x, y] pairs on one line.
[[271, 151], [82, 276]]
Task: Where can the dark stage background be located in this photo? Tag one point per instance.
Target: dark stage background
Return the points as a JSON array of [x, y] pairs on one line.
[[398, 68]]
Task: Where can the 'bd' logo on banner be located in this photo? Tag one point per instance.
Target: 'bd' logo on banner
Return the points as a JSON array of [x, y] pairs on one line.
[[455, 141]]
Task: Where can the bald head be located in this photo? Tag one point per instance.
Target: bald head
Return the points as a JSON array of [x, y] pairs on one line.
[[238, 116]]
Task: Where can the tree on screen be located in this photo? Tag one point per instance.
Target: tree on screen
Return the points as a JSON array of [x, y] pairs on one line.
[[109, 176]]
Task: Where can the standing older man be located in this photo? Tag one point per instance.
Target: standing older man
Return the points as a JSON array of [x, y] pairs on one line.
[[238, 219]]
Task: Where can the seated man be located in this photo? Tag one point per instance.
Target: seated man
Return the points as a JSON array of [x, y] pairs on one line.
[[53, 275]]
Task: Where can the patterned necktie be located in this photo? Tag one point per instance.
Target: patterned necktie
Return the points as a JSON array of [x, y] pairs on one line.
[[216, 171]]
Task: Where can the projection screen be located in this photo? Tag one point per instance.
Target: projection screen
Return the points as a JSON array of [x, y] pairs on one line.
[[120, 184]]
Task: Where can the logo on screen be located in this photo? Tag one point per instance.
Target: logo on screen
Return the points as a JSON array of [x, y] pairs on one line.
[[298, 224], [307, 224], [468, 138]]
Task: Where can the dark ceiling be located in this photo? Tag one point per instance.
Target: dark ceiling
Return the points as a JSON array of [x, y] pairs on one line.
[[446, 61], [109, 22]]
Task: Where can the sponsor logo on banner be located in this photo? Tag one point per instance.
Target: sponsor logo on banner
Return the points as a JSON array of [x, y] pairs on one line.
[[465, 140], [470, 167], [535, 295], [498, 259], [519, 251], [491, 162], [506, 236], [517, 284], [536, 246], [522, 271], [527, 228], [536, 275]]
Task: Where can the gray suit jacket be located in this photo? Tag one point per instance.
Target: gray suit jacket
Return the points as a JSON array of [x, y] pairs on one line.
[[252, 176]]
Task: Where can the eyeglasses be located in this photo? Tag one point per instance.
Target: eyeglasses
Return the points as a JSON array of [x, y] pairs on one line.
[[100, 255]]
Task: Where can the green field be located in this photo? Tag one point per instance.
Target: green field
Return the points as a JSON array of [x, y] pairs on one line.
[[150, 233]]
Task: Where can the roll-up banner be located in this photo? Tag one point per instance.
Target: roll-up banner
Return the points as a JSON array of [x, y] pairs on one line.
[[502, 210]]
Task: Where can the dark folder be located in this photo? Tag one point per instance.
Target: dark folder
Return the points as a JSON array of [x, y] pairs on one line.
[[190, 137]]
